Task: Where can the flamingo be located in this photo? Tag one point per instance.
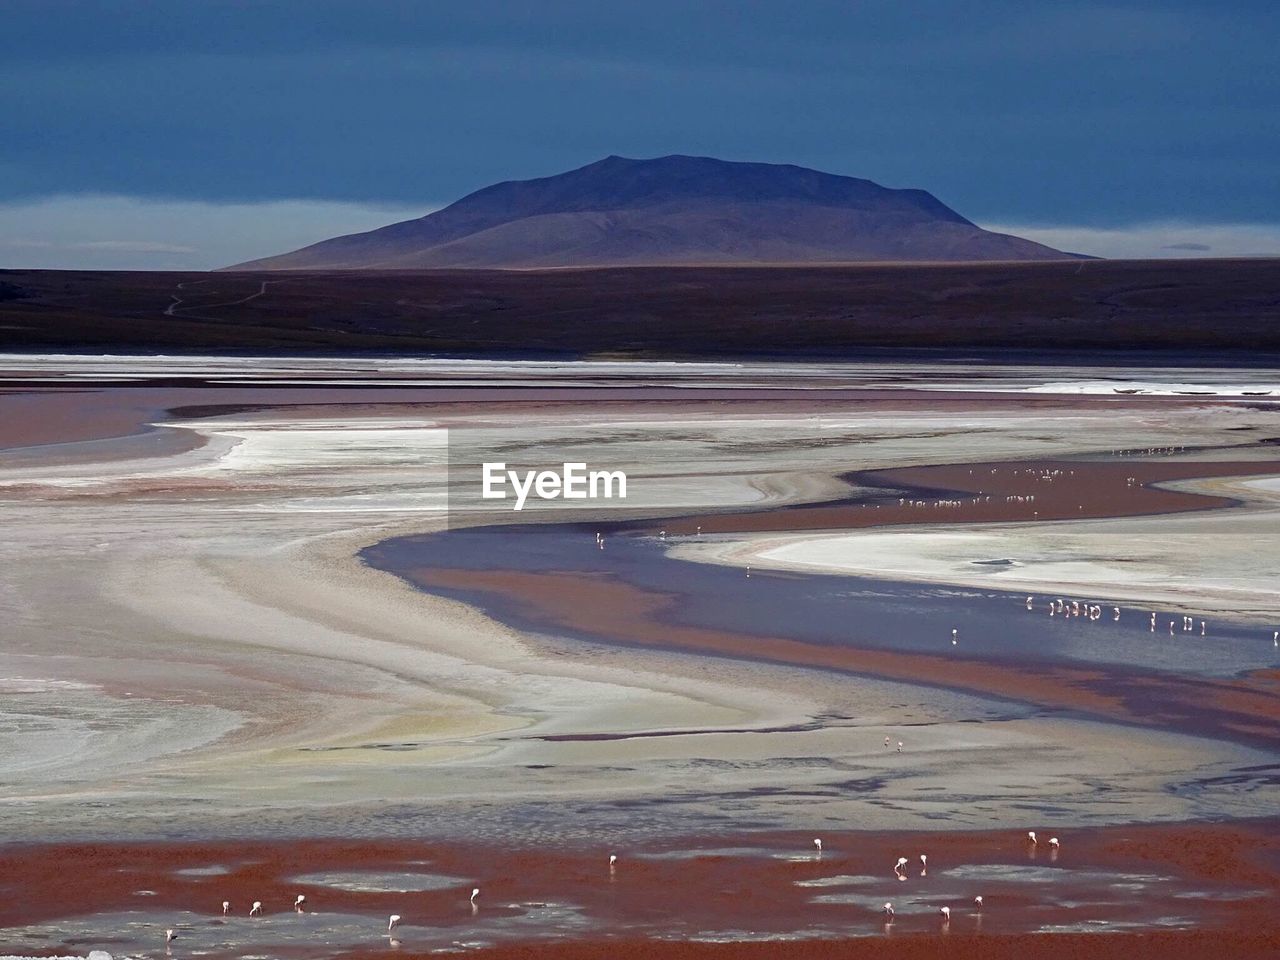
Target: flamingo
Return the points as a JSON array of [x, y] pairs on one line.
[[817, 843], [170, 936], [613, 860], [897, 868], [297, 903], [1029, 599], [226, 907], [886, 742], [924, 865], [953, 636], [475, 892], [1053, 842], [899, 746], [256, 909], [391, 922], [977, 902], [888, 909], [1031, 837], [946, 914]]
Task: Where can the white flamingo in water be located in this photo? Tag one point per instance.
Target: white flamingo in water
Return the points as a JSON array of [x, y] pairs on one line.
[[817, 845], [299, 901], [977, 903], [391, 922], [1031, 837], [226, 907], [924, 865], [897, 868], [475, 892], [256, 908], [170, 936], [946, 915], [888, 911]]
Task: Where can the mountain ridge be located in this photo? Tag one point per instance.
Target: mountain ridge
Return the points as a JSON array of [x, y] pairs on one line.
[[665, 211]]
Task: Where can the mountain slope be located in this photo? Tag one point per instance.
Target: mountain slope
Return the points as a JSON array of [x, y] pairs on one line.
[[671, 210]]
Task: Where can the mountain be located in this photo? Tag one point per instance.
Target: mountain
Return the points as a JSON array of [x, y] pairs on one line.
[[670, 210]]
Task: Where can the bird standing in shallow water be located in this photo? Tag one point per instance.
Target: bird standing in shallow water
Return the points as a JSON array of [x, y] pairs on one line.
[[256, 908], [392, 921], [226, 907]]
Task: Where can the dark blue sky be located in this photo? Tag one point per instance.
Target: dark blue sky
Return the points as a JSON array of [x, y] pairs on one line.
[[1099, 114]]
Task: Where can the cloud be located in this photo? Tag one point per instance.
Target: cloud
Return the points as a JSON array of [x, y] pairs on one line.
[[133, 246], [1102, 111], [97, 232], [1155, 240]]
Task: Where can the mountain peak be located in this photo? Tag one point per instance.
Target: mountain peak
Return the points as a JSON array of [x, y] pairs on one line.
[[671, 209]]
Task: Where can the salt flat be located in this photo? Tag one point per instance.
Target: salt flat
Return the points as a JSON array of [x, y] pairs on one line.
[[233, 662]]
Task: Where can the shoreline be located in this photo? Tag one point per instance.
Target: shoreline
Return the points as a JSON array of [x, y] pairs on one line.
[[220, 581]]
